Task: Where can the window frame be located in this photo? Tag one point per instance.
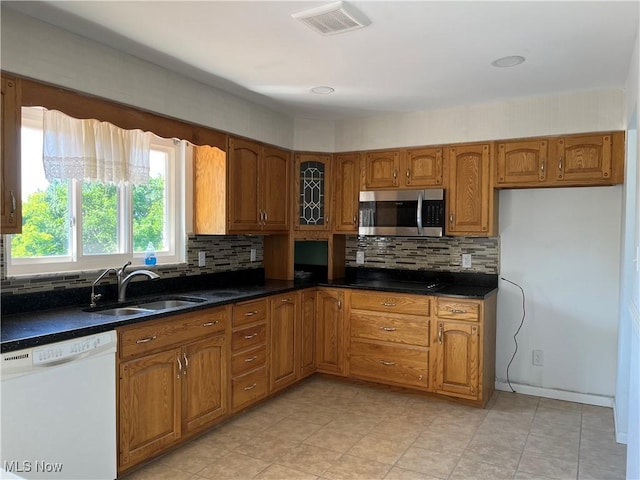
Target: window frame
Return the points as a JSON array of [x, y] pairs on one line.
[[175, 253]]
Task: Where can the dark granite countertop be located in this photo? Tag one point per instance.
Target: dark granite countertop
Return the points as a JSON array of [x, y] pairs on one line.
[[47, 325]]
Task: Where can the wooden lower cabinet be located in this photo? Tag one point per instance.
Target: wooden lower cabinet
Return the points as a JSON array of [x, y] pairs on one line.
[[167, 392], [330, 332], [307, 332], [150, 414], [463, 352], [284, 326]]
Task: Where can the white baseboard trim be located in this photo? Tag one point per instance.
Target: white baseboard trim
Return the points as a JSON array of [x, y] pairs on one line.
[[589, 399], [621, 437]]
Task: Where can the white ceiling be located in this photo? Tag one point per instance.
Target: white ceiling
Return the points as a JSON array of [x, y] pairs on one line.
[[415, 55]]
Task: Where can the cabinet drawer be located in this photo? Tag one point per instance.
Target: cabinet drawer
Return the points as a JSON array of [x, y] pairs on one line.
[[407, 330], [391, 302], [390, 364], [249, 312], [249, 337], [458, 310], [148, 336], [249, 388], [245, 361]]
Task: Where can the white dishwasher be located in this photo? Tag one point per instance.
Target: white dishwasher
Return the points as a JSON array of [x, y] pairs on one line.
[[58, 409]]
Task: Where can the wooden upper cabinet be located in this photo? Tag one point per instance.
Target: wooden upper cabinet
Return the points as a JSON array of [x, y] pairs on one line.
[[347, 189], [470, 199], [243, 191], [312, 191], [11, 201], [382, 169], [522, 163], [275, 181], [422, 167], [583, 157], [244, 209]]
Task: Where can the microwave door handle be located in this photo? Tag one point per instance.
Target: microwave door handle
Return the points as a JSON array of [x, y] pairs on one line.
[[419, 213]]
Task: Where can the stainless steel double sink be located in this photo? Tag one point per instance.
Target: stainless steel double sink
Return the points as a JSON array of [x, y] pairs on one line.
[[148, 306]]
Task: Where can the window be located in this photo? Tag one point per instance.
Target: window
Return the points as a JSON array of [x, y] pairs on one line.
[[83, 225]]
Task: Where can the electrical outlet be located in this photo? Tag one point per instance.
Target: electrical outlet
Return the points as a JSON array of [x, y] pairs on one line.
[[466, 260], [538, 358], [253, 255], [202, 259], [360, 257]]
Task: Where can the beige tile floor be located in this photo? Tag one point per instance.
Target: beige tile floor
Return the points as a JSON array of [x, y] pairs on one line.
[[329, 429]]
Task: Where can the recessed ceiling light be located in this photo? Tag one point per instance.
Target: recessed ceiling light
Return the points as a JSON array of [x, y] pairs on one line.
[[510, 61], [322, 90]]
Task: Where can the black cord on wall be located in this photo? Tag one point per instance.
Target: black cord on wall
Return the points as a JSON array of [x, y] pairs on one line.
[[517, 331]]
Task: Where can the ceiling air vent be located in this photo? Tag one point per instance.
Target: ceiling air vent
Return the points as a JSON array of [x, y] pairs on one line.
[[337, 17]]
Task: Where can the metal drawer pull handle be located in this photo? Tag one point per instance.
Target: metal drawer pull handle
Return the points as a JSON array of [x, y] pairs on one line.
[[251, 359], [249, 314], [251, 387], [440, 333], [208, 324], [146, 340], [388, 364], [388, 329], [388, 304], [179, 365], [542, 166], [286, 300], [458, 311], [253, 335], [13, 204], [186, 363]]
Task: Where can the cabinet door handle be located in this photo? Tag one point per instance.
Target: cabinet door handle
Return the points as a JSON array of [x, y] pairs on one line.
[[186, 362], [250, 314], [355, 219], [253, 335], [451, 218], [388, 329], [542, 166], [395, 173], [388, 304], [339, 304], [440, 327], [251, 387], [208, 324], [388, 364], [13, 204], [251, 359], [179, 365], [266, 216], [146, 340], [560, 164], [408, 176]]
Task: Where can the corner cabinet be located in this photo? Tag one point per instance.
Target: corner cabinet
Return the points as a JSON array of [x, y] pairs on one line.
[[471, 200], [347, 190], [11, 204], [330, 331], [313, 192], [464, 339]]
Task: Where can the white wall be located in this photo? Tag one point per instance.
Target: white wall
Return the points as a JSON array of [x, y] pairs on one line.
[[41, 51], [563, 247], [527, 117], [314, 135]]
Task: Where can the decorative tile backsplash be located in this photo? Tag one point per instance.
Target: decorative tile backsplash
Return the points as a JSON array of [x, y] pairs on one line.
[[223, 253], [418, 253]]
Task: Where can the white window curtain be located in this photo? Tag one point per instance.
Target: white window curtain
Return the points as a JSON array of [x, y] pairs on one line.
[[93, 150]]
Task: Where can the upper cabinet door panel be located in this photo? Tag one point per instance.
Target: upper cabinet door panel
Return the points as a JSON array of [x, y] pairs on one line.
[[313, 192], [382, 169], [347, 187], [585, 157], [275, 181], [522, 162], [423, 167], [10, 211], [244, 211], [469, 202]]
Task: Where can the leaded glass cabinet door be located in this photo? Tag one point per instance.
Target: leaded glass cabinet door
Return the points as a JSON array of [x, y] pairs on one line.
[[313, 192]]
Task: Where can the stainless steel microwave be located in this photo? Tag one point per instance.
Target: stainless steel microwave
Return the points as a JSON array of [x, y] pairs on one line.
[[407, 213]]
